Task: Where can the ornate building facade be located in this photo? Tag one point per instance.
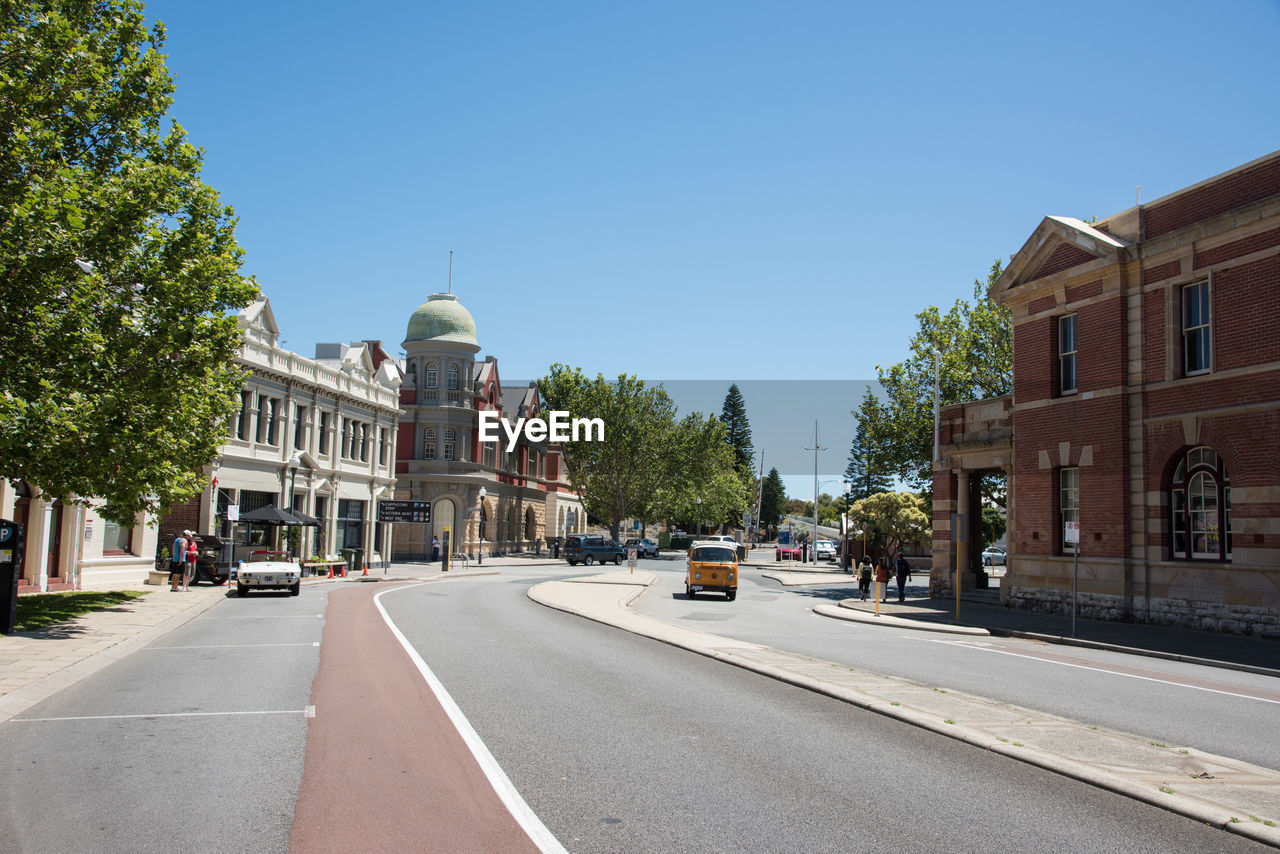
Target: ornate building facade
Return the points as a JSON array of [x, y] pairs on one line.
[[491, 499]]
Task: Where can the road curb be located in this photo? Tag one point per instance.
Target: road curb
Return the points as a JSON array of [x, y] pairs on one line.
[[855, 615]]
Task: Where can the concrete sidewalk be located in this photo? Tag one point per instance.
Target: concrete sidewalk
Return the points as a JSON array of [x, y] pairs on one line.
[[1232, 795]]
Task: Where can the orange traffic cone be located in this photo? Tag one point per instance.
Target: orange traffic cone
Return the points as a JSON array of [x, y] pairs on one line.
[[330, 571], [366, 569]]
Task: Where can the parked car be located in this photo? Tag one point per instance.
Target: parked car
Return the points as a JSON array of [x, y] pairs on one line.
[[790, 551], [644, 548], [993, 556], [589, 548], [211, 560], [720, 538], [824, 550], [269, 571]]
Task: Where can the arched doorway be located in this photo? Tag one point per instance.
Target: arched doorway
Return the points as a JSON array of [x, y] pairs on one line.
[[530, 526], [444, 514]]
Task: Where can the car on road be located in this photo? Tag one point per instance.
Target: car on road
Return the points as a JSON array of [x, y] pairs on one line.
[[712, 567], [993, 556], [720, 538], [590, 548], [644, 548], [788, 551], [824, 550], [267, 570]]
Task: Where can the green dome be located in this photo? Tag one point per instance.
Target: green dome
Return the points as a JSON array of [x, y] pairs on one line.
[[442, 318]]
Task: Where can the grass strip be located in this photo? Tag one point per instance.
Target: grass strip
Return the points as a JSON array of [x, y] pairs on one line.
[[38, 610]]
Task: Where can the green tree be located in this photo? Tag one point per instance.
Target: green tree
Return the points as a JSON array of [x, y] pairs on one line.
[[773, 496], [893, 520], [120, 267], [649, 465], [976, 346], [867, 472], [994, 524], [737, 429]]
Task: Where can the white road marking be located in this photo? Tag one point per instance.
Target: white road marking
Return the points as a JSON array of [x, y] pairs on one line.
[[166, 715], [502, 785], [1101, 670]]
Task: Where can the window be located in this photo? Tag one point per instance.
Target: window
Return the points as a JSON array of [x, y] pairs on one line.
[[273, 407], [364, 443], [116, 539], [453, 378], [531, 464], [489, 454], [246, 410], [1068, 503], [324, 432], [350, 526], [1067, 354], [450, 443], [429, 443], [433, 374], [1196, 341], [299, 429], [1200, 507], [382, 446]]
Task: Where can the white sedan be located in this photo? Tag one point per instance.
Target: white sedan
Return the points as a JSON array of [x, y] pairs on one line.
[[269, 571]]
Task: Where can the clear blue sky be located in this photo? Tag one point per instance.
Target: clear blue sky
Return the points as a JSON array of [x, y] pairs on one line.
[[693, 190]]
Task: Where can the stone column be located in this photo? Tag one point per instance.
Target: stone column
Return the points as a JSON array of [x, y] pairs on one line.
[[963, 526]]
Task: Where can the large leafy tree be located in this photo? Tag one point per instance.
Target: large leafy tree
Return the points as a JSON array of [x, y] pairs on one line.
[[737, 429], [975, 341], [893, 520], [650, 465], [120, 267], [867, 472]]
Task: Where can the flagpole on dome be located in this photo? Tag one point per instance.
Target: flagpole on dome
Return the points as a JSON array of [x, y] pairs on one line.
[[450, 271]]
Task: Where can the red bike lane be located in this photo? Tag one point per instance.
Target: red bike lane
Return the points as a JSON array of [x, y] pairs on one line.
[[385, 767]]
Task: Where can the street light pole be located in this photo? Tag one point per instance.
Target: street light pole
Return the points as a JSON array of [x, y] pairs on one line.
[[479, 514], [294, 462], [697, 532]]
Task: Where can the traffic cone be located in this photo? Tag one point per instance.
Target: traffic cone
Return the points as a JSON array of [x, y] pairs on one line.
[[366, 569], [330, 572]]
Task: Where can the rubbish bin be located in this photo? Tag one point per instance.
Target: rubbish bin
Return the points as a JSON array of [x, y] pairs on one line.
[[356, 566]]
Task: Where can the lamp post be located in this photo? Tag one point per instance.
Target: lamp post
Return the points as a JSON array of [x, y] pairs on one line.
[[294, 462], [844, 528], [480, 526], [698, 531]]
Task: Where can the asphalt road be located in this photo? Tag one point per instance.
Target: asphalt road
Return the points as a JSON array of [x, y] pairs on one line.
[[1223, 712], [194, 743], [620, 743]]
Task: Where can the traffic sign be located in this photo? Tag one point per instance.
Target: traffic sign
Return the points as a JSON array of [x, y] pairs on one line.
[[1071, 533], [404, 511]]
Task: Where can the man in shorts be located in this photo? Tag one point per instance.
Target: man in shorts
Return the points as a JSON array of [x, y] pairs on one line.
[[177, 561]]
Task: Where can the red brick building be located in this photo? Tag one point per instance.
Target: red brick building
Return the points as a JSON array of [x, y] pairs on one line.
[[1145, 411]]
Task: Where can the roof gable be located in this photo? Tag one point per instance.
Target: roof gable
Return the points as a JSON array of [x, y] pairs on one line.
[[258, 322], [1058, 243]]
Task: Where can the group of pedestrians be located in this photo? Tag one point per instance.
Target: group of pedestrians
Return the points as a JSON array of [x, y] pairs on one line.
[[881, 570], [182, 561]]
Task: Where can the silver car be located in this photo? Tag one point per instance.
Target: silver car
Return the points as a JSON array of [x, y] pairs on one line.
[[993, 556]]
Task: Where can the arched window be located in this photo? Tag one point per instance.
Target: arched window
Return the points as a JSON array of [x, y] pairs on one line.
[[1200, 507], [453, 378], [429, 443], [450, 443], [433, 375]]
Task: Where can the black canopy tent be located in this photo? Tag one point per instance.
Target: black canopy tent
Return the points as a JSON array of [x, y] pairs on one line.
[[272, 515]]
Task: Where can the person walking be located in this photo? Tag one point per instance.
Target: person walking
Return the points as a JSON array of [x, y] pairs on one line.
[[882, 578], [435, 549], [177, 558], [864, 577], [904, 575], [193, 552]]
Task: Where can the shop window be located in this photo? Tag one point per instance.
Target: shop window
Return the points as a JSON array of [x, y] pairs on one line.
[[1200, 507], [117, 539]]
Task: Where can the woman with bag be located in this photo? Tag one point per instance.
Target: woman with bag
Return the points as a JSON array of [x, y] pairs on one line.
[[864, 577]]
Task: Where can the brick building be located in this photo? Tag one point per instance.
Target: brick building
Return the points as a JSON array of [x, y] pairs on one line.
[[1145, 410], [492, 500]]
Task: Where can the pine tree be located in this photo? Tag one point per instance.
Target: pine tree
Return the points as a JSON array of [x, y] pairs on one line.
[[866, 472], [737, 429], [773, 496]]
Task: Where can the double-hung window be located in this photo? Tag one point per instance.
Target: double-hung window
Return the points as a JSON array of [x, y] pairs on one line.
[[1067, 377], [1068, 504], [1196, 338]]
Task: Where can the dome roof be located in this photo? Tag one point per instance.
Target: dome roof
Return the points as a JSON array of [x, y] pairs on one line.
[[442, 318]]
